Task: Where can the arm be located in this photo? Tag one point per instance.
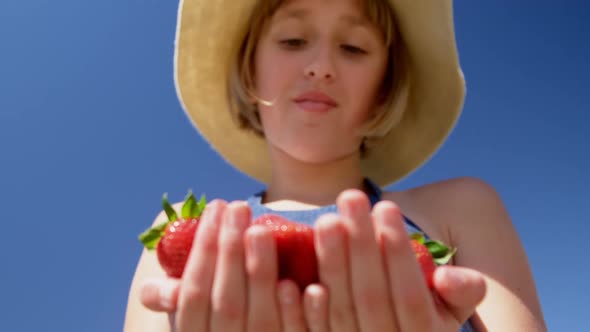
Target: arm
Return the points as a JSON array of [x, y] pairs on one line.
[[416, 309], [481, 229], [225, 282], [138, 317]]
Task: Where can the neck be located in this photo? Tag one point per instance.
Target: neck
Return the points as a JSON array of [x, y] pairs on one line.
[[312, 183]]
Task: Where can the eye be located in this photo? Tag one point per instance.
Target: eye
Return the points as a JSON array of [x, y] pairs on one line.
[[293, 43], [353, 49]]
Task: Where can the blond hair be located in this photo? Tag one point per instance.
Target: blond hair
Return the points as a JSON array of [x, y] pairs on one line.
[[393, 94]]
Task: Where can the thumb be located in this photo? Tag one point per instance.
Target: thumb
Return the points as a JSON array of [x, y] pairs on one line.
[[160, 295], [462, 289]]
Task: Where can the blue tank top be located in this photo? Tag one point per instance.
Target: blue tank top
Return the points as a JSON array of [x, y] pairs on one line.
[[310, 216]]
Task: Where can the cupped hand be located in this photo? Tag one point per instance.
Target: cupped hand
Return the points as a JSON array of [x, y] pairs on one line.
[[230, 279], [371, 280]]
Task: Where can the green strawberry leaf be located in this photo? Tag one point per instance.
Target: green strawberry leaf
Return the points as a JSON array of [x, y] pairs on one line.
[[151, 237], [439, 251], [191, 208], [201, 205], [172, 216], [436, 248], [446, 258]]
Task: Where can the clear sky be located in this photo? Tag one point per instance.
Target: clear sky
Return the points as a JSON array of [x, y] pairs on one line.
[[92, 134]]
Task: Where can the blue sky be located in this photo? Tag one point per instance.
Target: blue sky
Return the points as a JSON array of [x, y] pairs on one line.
[[91, 135]]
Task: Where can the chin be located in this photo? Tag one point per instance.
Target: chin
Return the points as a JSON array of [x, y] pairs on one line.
[[321, 156]]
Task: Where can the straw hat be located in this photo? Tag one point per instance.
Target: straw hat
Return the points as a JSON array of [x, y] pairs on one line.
[[209, 30]]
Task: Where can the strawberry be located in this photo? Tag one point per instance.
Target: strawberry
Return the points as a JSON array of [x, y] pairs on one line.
[[173, 239], [429, 254], [297, 260], [295, 249]]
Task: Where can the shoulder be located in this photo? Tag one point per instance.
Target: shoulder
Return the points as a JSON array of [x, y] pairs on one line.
[[456, 191], [469, 214], [441, 208]]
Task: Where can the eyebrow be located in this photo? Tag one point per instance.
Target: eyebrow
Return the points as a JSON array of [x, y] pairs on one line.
[[301, 14], [356, 21], [293, 13]]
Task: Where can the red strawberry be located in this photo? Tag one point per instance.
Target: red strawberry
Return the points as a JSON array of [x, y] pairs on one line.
[[429, 254], [174, 238], [295, 244], [295, 248]]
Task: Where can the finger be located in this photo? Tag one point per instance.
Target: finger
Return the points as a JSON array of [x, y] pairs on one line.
[[315, 306], [197, 280], [333, 266], [172, 321], [228, 300], [461, 289], [262, 270], [412, 300], [291, 307], [368, 278], [160, 294]]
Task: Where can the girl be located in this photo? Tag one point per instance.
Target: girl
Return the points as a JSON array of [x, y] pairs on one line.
[[325, 101]]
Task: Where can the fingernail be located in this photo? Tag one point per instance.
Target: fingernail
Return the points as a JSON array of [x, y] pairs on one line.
[[316, 303], [233, 223], [330, 237], [166, 295], [236, 216], [314, 294], [455, 277], [353, 203], [259, 243], [285, 295]]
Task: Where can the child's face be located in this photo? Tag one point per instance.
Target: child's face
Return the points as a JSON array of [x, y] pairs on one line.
[[324, 46]]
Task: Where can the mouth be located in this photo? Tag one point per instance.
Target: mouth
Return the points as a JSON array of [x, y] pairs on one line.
[[315, 101]]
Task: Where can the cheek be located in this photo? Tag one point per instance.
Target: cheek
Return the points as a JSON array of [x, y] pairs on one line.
[[261, 74], [270, 80], [364, 91], [366, 88]]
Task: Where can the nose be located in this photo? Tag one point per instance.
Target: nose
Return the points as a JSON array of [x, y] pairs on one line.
[[321, 65]]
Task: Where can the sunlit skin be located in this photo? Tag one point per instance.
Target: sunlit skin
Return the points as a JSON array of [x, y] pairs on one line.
[[318, 67], [327, 47], [318, 46]]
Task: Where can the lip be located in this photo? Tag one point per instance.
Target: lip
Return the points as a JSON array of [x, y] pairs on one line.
[[315, 101]]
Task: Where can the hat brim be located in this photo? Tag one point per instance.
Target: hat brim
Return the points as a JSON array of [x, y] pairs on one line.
[[208, 32]]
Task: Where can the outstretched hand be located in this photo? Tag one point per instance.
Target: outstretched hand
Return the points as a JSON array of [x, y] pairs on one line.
[[230, 279], [370, 279]]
